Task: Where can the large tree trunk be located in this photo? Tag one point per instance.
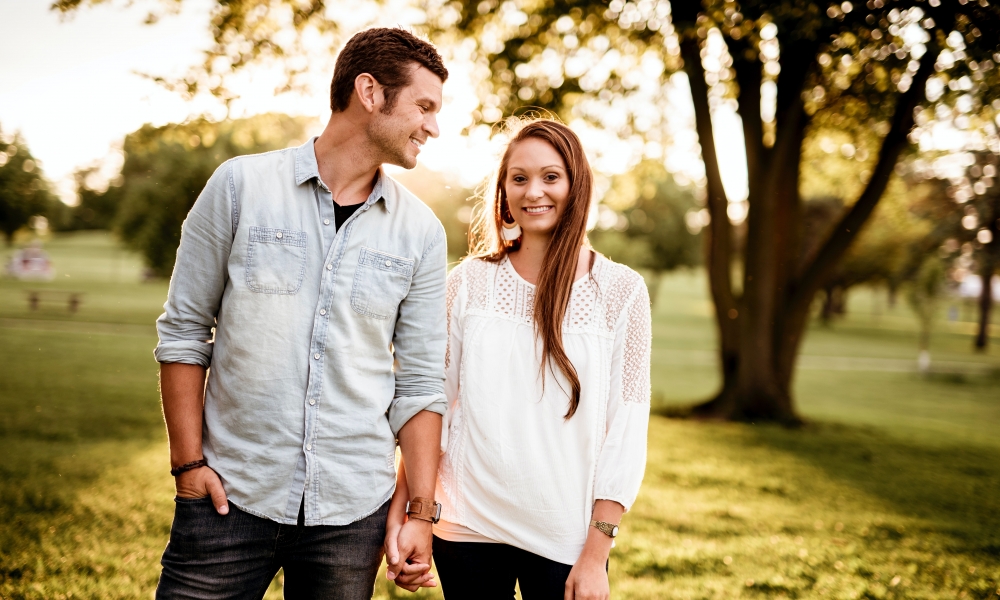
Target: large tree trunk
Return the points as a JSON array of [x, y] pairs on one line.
[[718, 242], [761, 331]]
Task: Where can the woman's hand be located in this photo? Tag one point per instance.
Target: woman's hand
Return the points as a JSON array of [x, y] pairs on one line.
[[588, 581]]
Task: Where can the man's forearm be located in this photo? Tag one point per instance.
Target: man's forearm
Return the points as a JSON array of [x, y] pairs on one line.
[[182, 391], [420, 444]]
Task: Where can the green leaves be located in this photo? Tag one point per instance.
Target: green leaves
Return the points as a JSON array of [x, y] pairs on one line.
[[24, 192]]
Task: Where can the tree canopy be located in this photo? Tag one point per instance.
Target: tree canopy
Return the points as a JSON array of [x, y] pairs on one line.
[[165, 169], [24, 193]]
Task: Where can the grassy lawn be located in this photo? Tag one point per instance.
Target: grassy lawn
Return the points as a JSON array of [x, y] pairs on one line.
[[891, 491]]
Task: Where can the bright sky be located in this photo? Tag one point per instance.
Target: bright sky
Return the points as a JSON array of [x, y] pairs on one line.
[[71, 88]]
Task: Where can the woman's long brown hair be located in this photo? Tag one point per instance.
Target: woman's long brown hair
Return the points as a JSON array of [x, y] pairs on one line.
[[555, 281]]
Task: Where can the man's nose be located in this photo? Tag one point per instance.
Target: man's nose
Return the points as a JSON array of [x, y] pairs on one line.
[[431, 126]]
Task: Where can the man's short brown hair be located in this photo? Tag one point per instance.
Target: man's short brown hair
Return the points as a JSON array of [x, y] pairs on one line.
[[387, 54]]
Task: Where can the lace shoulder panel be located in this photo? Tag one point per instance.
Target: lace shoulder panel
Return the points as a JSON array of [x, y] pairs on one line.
[[617, 284], [626, 297], [476, 273]]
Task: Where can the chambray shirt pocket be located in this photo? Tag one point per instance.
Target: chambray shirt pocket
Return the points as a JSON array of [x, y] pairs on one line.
[[381, 281], [276, 260]]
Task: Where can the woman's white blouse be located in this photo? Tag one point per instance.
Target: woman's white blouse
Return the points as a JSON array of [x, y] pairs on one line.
[[514, 469]]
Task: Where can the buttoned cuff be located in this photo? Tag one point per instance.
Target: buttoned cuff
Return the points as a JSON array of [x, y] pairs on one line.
[[185, 351], [405, 408]]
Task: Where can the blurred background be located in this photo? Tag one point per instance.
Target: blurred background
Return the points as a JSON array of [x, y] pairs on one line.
[[807, 187]]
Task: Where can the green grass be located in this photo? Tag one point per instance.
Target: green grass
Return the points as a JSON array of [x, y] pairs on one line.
[[891, 491]]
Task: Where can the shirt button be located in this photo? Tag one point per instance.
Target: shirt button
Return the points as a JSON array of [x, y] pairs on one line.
[[278, 235], [312, 402], [329, 267], [326, 221], [388, 263], [322, 311], [316, 356], [309, 446]]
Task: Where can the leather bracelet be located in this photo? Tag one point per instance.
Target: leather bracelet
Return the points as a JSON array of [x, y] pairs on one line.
[[194, 464], [424, 509]]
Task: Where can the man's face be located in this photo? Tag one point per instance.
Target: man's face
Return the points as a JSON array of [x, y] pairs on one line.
[[400, 133]]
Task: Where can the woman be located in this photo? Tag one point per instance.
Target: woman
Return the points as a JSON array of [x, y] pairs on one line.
[[547, 379]]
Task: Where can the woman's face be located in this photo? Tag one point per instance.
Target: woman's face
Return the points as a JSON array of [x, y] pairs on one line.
[[537, 186]]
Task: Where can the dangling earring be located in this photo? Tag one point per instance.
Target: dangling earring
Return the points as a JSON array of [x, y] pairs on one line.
[[511, 233], [511, 230]]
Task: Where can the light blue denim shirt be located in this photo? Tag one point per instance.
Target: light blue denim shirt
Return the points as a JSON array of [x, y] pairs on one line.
[[321, 352]]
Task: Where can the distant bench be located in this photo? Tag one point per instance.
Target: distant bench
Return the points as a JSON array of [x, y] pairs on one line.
[[71, 299]]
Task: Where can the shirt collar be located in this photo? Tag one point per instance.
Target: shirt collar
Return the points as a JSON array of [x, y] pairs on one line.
[[306, 168]]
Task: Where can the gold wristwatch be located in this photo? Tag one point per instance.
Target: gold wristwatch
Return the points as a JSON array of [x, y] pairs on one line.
[[608, 529]]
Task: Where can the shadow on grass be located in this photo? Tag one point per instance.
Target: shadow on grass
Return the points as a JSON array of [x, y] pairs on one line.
[[947, 489]]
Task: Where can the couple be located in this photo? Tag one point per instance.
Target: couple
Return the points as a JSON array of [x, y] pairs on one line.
[[312, 291]]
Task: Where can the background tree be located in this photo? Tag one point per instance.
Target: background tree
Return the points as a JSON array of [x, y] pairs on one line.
[[887, 252], [643, 223], [793, 67], [790, 67], [967, 212], [24, 193], [166, 168]]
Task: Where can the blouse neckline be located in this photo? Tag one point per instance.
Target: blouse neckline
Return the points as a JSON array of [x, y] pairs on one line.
[[505, 263]]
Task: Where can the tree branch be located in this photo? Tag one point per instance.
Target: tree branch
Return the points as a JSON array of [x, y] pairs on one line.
[[830, 253], [720, 244]]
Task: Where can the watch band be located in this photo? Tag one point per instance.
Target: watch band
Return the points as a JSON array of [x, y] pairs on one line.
[[608, 529], [424, 509]]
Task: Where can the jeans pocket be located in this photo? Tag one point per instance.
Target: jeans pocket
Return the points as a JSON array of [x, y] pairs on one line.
[[201, 500], [380, 283], [276, 260]]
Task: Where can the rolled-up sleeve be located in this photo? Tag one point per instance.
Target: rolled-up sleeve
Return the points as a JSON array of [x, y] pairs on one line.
[[199, 277], [420, 338]]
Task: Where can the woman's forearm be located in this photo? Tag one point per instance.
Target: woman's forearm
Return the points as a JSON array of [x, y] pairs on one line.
[[598, 545]]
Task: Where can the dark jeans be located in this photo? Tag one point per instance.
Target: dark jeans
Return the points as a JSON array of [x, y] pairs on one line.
[[482, 571], [236, 556]]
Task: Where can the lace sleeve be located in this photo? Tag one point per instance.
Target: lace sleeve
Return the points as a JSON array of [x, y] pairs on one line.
[[636, 350], [622, 459]]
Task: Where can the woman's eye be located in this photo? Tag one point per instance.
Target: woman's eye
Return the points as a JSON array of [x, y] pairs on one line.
[[551, 177], [519, 179]]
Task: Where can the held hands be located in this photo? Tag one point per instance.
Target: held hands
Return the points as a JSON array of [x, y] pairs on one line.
[[408, 552], [588, 580], [202, 482]]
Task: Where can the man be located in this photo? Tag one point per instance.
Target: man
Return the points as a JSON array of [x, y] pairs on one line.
[[324, 281]]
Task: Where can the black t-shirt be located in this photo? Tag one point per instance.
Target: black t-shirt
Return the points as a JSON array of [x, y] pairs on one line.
[[343, 213]]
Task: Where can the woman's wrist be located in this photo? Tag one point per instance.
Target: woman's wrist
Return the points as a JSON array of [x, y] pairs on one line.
[[596, 550]]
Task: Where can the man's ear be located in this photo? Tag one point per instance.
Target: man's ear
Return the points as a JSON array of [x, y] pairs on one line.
[[369, 92]]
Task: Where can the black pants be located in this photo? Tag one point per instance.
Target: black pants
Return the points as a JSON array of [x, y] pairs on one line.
[[473, 570], [234, 557]]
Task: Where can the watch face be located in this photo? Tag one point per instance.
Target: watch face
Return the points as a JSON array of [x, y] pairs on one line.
[[614, 532]]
